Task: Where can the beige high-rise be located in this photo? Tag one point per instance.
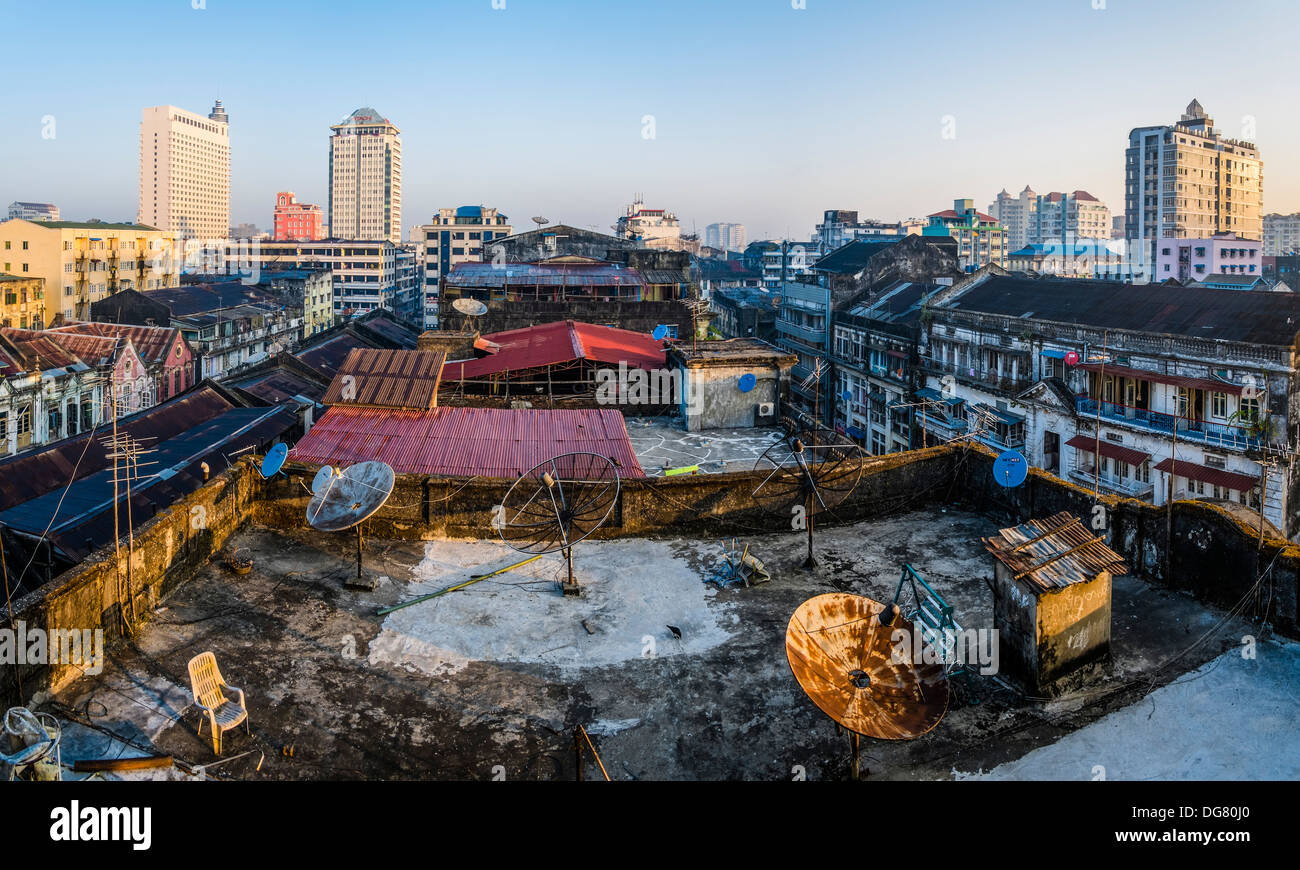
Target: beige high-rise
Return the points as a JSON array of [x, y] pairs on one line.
[[1188, 181], [185, 172], [366, 178]]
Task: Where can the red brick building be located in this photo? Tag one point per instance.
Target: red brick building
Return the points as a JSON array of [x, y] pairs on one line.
[[297, 221]]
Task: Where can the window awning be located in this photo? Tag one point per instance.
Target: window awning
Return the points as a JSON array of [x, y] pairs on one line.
[[1165, 378], [896, 353], [1212, 476], [1054, 354], [1108, 448], [1004, 416]]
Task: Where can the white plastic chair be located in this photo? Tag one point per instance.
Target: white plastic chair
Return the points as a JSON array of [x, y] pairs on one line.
[[210, 690]]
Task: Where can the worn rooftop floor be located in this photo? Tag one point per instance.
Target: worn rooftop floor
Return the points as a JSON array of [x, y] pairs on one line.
[[493, 679], [660, 443]]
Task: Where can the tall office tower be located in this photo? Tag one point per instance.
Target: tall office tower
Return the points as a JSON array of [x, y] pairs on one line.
[[185, 172], [366, 178], [1188, 181]]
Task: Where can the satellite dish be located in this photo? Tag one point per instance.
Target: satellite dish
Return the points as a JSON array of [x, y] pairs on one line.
[[659, 333], [747, 382], [323, 479], [842, 651], [353, 495], [558, 503], [540, 221], [274, 460], [1010, 469], [1071, 358], [815, 470], [469, 307], [847, 396]]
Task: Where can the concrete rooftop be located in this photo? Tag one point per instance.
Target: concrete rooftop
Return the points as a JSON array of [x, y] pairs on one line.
[[493, 679], [660, 443]]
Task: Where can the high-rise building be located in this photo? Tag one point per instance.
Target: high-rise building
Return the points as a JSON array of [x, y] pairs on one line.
[[185, 172], [297, 221], [455, 235], [33, 211], [366, 178], [725, 236], [1188, 181], [1034, 219], [1281, 234]]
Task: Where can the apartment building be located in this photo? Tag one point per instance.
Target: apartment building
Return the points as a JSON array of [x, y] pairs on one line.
[[83, 262], [1189, 181], [22, 302], [365, 275], [1198, 259], [454, 236], [185, 172], [366, 178], [33, 211], [1129, 389], [981, 240], [725, 236], [1281, 234], [840, 226], [1031, 218]]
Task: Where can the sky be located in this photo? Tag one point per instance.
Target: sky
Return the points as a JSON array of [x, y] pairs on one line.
[[758, 112]]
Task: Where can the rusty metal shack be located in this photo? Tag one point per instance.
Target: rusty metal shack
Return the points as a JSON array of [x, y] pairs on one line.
[[1052, 599]]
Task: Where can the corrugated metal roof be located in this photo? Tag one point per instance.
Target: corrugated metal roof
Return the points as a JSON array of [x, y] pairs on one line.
[[1054, 553], [465, 442], [544, 274], [152, 343], [1205, 474], [560, 342], [388, 379]]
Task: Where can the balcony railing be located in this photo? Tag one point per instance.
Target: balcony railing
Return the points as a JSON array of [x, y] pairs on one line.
[[1124, 485], [1229, 436], [983, 377]]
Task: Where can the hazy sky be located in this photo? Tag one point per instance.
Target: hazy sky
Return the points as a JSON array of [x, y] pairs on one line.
[[762, 113]]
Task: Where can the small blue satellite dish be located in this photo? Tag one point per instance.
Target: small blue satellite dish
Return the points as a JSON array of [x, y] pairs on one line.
[[747, 382], [1010, 469], [660, 332], [846, 396], [275, 459]]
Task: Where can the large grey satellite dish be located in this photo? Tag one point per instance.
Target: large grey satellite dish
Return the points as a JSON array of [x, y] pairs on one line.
[[469, 307], [349, 499], [539, 220]]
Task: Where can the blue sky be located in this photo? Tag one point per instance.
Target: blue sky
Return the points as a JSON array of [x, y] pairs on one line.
[[763, 113]]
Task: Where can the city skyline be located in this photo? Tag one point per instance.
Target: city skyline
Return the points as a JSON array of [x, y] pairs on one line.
[[898, 140]]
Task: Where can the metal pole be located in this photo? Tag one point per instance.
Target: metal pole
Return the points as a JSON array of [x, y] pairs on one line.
[[577, 753], [358, 551], [810, 562], [855, 768]]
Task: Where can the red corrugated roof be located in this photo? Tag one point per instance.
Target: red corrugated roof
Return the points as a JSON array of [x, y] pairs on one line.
[[1107, 448], [560, 342], [1212, 476], [465, 442]]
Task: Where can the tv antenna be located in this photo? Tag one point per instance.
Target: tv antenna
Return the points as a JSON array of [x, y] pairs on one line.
[[805, 474], [126, 451], [558, 503], [842, 651], [343, 499]]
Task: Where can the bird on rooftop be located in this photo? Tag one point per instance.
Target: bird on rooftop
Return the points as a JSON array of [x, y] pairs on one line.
[[677, 632]]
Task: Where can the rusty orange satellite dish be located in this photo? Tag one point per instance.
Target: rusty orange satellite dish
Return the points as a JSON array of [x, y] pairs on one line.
[[842, 654]]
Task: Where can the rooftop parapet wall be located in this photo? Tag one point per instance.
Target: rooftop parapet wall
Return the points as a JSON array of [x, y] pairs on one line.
[[167, 551]]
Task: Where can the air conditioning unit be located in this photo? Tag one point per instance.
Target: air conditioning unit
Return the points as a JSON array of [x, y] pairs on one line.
[[766, 409]]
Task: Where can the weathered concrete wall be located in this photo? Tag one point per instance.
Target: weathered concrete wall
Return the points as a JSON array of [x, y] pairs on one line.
[[167, 551], [423, 508], [1192, 546], [720, 403]]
